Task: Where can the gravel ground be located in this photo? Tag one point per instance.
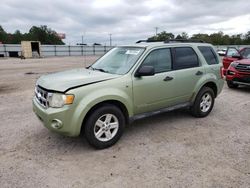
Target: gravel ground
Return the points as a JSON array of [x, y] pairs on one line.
[[169, 150]]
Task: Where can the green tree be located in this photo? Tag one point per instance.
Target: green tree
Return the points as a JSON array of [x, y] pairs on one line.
[[217, 38], [3, 35], [161, 36], [16, 37], [247, 38], [226, 40], [236, 39], [201, 36], [183, 35], [43, 34]]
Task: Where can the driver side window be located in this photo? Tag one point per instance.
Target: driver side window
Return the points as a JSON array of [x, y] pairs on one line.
[[160, 59]]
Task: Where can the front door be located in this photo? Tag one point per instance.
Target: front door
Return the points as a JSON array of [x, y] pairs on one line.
[[157, 91]]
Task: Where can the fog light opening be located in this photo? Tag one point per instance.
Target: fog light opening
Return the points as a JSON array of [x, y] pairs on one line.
[[56, 124]]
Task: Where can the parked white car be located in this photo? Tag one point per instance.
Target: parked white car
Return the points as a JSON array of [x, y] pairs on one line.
[[222, 52]]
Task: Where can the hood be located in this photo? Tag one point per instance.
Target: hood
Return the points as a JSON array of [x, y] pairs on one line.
[[244, 61], [66, 80]]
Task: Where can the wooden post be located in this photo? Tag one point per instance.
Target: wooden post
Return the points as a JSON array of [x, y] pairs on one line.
[[5, 51], [55, 50]]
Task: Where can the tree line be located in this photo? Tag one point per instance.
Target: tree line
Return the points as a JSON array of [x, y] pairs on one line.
[[48, 36], [218, 38], [43, 34]]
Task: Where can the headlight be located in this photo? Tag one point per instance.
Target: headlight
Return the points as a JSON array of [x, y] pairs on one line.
[[234, 64], [57, 100]]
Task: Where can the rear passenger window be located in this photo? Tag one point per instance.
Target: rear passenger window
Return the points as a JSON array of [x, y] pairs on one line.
[[209, 54], [185, 57], [160, 59]]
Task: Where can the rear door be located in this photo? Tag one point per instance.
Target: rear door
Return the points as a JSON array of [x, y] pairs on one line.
[[187, 72]]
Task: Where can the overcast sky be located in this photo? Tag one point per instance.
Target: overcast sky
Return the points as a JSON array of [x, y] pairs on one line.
[[127, 20]]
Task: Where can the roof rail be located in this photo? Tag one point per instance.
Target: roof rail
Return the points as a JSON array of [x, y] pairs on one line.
[[184, 40], [140, 41]]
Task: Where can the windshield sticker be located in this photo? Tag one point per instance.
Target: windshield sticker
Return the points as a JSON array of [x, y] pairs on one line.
[[132, 52]]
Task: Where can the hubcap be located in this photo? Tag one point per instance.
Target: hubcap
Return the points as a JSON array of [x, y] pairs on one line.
[[106, 127], [206, 102]]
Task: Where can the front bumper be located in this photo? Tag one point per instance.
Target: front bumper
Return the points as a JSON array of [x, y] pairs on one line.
[[63, 115], [237, 77]]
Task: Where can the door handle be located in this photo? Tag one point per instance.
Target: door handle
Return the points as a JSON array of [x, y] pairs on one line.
[[198, 73], [168, 78]]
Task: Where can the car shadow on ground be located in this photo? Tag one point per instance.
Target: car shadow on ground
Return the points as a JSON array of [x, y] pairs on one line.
[[160, 120], [245, 89], [45, 141]]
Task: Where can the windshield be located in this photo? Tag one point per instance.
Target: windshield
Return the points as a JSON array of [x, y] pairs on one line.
[[119, 60]]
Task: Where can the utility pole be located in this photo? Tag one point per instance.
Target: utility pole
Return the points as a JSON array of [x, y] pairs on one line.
[[84, 33], [156, 30], [110, 39]]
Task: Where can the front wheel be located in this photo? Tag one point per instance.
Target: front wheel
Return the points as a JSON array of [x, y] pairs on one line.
[[104, 126], [203, 103]]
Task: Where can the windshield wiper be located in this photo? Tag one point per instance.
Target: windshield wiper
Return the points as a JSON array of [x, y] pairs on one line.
[[101, 70]]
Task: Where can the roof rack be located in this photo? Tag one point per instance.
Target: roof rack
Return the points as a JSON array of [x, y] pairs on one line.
[[140, 41], [173, 41], [184, 40]]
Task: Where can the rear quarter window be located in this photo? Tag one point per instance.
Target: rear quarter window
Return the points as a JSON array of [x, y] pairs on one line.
[[209, 55]]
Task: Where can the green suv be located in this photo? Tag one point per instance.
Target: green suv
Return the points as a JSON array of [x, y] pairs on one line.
[[128, 83]]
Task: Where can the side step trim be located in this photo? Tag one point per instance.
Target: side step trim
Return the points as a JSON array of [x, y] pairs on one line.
[[152, 113]]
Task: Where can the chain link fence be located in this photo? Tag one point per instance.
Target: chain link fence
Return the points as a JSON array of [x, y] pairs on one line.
[[14, 50]]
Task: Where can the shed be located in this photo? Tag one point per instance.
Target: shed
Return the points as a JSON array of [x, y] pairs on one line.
[[31, 49]]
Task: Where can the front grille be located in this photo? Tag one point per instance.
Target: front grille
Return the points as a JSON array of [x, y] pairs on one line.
[[243, 68], [41, 96]]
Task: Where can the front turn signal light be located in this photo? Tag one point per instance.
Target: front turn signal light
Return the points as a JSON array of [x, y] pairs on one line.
[[69, 99]]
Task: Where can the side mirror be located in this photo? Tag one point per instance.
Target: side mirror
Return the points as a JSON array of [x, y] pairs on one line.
[[145, 71], [237, 56]]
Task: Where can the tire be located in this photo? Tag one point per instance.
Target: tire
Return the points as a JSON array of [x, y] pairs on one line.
[[230, 84], [203, 103], [104, 126]]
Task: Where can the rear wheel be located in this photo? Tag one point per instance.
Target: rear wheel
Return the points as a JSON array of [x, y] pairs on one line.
[[104, 126], [230, 84], [203, 103]]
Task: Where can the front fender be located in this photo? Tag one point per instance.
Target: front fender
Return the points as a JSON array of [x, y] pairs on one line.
[[97, 96]]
